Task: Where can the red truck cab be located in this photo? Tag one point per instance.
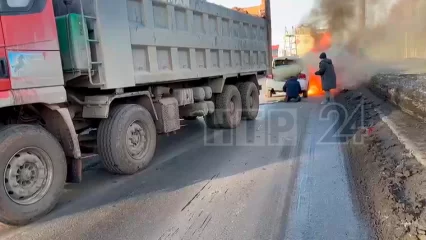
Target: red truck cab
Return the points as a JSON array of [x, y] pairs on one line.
[[30, 63]]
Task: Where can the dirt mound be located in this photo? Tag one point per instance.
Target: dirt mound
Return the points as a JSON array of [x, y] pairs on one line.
[[390, 182]]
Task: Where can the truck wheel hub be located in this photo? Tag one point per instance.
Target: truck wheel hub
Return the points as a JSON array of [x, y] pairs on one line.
[[27, 174], [251, 100], [136, 140], [27, 177]]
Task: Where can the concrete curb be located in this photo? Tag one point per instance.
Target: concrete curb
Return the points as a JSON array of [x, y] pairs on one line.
[[407, 91], [411, 146]]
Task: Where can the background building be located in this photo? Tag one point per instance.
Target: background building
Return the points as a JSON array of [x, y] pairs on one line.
[[298, 41], [258, 11], [275, 52]]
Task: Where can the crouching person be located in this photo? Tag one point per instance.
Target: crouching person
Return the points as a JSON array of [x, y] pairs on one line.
[[292, 90]]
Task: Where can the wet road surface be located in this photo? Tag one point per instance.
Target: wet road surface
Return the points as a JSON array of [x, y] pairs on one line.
[[268, 179]]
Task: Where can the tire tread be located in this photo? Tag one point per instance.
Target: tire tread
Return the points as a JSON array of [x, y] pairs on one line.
[[222, 102], [245, 89], [105, 137]]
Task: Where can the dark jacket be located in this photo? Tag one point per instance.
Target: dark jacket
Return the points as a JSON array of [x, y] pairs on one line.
[[292, 88], [327, 73]]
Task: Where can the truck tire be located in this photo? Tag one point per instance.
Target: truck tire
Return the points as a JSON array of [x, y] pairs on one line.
[[212, 120], [127, 139], [250, 100], [228, 107], [33, 168]]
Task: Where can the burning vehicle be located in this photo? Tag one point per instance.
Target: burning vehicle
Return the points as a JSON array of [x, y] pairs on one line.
[[282, 69]]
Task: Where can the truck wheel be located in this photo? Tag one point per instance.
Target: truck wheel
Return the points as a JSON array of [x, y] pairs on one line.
[[250, 100], [305, 94], [228, 107], [211, 120], [33, 166], [127, 139]]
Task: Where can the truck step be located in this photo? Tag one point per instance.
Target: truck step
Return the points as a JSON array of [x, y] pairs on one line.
[[88, 155], [90, 17]]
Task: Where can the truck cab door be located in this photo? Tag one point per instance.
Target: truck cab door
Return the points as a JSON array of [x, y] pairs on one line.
[[31, 43], [4, 73]]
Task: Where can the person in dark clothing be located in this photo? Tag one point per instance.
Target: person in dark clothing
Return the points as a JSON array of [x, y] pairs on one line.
[[292, 89], [328, 76]]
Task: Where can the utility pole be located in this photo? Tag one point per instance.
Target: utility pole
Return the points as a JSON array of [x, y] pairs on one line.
[[267, 4], [363, 15], [362, 26]]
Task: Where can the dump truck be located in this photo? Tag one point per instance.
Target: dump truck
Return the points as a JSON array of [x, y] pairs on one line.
[[87, 77]]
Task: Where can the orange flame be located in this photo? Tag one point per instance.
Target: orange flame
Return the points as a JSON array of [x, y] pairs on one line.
[[315, 87], [324, 43]]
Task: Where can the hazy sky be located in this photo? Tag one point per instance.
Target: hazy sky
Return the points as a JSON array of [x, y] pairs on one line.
[[284, 13]]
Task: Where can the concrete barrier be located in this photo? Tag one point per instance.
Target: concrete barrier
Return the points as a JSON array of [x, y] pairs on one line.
[[407, 91]]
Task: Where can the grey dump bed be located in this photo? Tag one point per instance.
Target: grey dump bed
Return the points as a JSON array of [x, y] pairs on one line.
[[154, 41]]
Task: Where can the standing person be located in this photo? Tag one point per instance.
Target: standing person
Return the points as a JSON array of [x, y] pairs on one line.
[[292, 89], [328, 76]]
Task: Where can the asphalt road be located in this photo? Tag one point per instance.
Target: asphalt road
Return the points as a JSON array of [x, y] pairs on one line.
[[268, 179]]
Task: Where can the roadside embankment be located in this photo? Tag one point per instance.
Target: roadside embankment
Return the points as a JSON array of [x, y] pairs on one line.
[[388, 176], [407, 91]]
